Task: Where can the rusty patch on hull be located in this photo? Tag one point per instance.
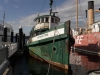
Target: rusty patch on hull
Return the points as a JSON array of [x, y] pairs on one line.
[[55, 65]]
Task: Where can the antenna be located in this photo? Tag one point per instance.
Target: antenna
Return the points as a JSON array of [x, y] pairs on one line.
[[3, 18]]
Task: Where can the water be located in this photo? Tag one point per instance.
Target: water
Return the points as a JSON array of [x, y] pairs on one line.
[[39, 68], [22, 65]]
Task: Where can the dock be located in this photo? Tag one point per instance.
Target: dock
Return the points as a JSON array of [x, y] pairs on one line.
[[9, 49], [6, 51]]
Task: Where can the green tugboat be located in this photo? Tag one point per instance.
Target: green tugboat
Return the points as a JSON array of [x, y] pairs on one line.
[[51, 42]]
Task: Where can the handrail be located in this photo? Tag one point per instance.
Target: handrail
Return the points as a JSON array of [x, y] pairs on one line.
[[3, 54]]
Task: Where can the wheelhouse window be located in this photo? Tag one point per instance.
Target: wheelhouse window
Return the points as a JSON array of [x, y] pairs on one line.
[[42, 19], [52, 20], [36, 22], [46, 19], [39, 20], [56, 20]]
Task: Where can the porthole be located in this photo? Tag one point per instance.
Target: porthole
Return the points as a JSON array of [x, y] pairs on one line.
[[55, 49]]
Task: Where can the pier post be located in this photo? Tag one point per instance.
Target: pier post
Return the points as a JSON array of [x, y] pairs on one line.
[[16, 37], [5, 34], [20, 37], [12, 36], [68, 45], [23, 39]]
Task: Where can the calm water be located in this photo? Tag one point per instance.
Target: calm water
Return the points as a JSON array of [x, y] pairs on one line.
[[30, 66]]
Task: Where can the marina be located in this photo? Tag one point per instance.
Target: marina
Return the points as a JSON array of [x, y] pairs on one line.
[[52, 47]]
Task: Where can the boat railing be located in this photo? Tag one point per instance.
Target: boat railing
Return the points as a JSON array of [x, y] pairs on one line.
[[8, 25], [12, 47], [7, 50], [3, 54], [85, 51]]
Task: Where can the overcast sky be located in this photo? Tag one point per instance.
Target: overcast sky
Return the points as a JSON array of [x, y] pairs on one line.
[[22, 12]]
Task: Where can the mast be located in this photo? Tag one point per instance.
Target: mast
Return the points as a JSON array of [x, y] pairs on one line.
[[3, 18], [76, 14], [51, 1]]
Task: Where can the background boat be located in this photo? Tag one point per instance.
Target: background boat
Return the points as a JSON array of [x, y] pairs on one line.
[[85, 54]]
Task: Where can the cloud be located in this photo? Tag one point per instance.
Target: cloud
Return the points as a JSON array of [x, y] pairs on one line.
[[67, 11], [15, 6], [21, 0]]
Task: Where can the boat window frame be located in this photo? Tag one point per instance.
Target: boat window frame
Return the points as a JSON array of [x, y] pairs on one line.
[[56, 20], [46, 19], [38, 20], [42, 19], [52, 20], [35, 21]]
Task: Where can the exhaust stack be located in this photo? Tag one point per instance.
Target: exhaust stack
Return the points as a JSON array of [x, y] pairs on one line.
[[90, 13]]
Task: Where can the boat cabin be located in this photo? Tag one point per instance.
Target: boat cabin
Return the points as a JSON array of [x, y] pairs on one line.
[[45, 22], [9, 30], [95, 27]]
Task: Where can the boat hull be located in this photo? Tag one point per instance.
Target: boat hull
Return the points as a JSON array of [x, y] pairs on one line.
[[57, 58], [53, 46], [86, 51], [56, 65]]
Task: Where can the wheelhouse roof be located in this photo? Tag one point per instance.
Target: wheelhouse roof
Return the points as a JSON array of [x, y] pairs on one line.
[[45, 16]]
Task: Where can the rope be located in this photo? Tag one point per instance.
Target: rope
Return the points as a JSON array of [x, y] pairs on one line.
[[51, 53], [62, 56], [55, 7], [42, 6], [72, 9]]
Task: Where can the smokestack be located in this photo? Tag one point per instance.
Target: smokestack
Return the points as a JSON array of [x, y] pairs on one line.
[[90, 13]]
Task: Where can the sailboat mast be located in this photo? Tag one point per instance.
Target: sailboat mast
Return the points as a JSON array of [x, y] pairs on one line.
[[76, 14]]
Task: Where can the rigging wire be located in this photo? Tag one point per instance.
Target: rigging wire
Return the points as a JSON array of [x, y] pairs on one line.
[[52, 54], [80, 7], [55, 7], [73, 9], [42, 7], [71, 13], [82, 13]]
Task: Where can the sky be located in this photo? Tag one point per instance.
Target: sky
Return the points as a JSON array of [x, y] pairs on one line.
[[22, 12]]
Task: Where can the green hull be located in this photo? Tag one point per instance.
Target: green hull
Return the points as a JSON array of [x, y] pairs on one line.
[[45, 52], [54, 50]]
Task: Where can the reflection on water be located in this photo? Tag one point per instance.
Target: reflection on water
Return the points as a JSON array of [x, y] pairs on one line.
[[39, 68], [24, 65]]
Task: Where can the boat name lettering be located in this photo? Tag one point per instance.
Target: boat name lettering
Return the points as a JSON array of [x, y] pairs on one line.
[[74, 59], [43, 35], [78, 39]]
